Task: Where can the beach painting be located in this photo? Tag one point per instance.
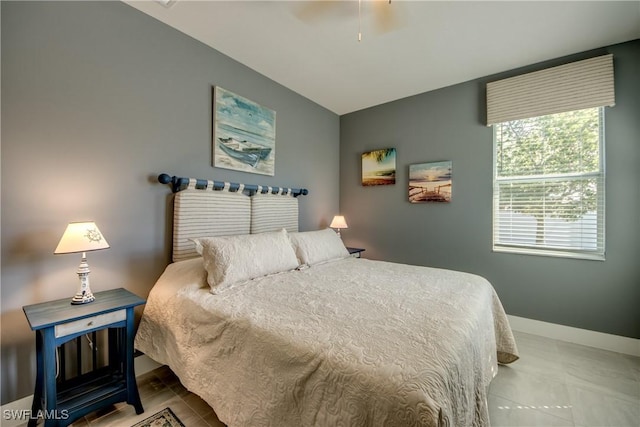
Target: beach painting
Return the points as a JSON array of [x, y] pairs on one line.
[[430, 182], [244, 134], [379, 167]]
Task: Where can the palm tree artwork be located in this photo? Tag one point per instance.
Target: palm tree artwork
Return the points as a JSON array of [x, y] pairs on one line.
[[379, 167]]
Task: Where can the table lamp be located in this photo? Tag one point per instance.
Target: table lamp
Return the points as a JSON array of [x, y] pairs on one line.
[[338, 223], [82, 237]]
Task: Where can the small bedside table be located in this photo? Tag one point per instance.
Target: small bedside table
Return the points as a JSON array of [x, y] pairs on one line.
[[57, 322], [356, 252]]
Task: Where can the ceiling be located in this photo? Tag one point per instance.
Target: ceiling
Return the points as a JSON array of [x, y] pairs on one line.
[[313, 49]]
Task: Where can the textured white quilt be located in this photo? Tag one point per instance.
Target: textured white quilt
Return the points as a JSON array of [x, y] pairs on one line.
[[352, 342]]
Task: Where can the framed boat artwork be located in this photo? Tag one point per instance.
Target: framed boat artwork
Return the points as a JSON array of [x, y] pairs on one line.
[[244, 134]]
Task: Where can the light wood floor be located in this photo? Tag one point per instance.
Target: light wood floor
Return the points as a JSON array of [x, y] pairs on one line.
[[158, 389], [553, 384]]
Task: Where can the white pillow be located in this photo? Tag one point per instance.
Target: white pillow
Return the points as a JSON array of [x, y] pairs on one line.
[[232, 259], [314, 247]]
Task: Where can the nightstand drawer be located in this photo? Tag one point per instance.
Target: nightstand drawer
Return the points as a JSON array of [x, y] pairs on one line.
[[88, 323]]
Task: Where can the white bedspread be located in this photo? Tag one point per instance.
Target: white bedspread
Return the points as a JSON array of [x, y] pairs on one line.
[[347, 343]]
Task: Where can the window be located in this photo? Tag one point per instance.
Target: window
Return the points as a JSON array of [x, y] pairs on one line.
[[549, 184], [548, 193]]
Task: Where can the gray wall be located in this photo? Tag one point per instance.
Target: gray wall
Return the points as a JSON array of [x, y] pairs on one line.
[[97, 99], [447, 124]]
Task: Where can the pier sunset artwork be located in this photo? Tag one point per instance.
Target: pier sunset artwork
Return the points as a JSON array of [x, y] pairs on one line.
[[379, 167], [430, 182]]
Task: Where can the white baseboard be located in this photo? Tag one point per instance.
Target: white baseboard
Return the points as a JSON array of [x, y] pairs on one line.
[[7, 414], [143, 364], [600, 340]]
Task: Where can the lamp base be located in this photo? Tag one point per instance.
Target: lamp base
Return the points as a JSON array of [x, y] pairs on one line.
[[84, 294], [85, 298]]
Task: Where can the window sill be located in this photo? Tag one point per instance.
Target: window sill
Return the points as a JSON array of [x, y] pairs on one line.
[[549, 252]]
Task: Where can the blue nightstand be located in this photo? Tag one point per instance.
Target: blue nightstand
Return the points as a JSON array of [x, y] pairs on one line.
[[57, 322], [356, 252]]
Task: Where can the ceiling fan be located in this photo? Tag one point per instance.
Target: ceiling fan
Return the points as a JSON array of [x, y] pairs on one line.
[[385, 16]]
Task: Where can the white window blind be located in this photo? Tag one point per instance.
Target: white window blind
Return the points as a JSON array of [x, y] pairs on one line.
[[549, 185], [575, 86]]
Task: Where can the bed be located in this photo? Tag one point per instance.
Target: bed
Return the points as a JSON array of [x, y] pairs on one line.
[[320, 339]]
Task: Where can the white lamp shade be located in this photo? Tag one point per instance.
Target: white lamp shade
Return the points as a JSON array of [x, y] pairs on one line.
[[339, 222], [81, 237]]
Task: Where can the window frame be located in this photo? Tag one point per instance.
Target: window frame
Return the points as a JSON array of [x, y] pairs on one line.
[[600, 251]]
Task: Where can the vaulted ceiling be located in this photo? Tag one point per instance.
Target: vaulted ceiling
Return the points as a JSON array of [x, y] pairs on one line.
[[312, 47]]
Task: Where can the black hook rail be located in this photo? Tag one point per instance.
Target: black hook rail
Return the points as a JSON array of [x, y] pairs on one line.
[[180, 183]]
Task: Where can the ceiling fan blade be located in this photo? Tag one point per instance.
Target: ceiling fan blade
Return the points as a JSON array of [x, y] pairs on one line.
[[387, 16], [315, 10], [381, 16]]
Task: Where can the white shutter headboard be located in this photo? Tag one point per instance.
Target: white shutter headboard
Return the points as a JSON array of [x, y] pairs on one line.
[[198, 213], [273, 212], [203, 208]]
